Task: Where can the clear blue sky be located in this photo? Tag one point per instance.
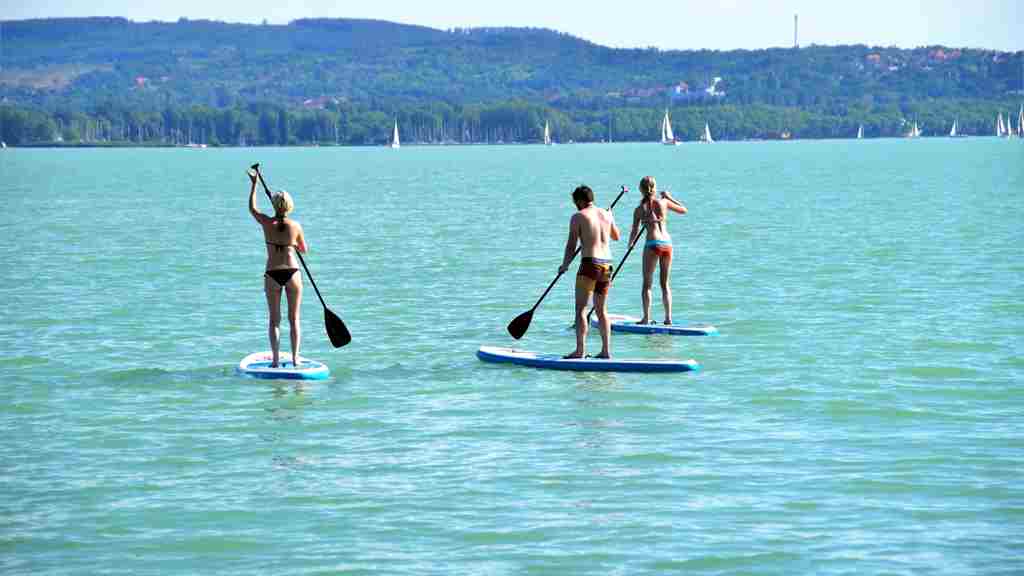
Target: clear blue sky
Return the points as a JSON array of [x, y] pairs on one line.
[[666, 24]]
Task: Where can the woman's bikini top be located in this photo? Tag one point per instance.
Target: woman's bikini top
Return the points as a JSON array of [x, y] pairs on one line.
[[279, 247], [650, 217]]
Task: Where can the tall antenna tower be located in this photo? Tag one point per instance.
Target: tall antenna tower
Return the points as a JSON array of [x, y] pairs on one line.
[[796, 22]]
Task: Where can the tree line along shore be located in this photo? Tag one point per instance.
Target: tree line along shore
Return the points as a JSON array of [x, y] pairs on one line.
[[508, 123]]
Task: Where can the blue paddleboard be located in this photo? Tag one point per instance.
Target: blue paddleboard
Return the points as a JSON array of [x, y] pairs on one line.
[[257, 365], [623, 323], [556, 362]]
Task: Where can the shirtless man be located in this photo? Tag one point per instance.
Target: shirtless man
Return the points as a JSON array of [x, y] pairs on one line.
[[652, 214], [591, 227]]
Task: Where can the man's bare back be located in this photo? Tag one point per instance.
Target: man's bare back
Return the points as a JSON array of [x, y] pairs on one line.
[[595, 227], [591, 228]]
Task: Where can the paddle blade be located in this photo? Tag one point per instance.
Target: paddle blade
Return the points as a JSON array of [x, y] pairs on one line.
[[336, 329], [521, 324]]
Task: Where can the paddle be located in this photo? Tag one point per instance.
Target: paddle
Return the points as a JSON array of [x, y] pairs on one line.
[[518, 326], [336, 329]]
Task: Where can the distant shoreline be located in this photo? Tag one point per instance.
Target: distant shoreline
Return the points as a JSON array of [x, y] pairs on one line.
[[58, 146]]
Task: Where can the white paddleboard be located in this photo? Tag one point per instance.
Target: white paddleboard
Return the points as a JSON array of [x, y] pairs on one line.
[[556, 362], [257, 365], [623, 323]]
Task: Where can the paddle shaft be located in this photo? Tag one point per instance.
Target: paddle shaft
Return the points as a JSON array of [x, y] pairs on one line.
[[578, 248], [555, 281], [266, 189]]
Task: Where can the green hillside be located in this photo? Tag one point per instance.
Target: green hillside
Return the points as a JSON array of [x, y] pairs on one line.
[[345, 81]]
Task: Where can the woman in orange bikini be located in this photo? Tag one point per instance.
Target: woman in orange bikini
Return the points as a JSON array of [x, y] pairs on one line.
[[652, 213], [281, 235]]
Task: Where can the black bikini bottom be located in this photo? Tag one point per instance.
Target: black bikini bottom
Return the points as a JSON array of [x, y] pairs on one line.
[[281, 275]]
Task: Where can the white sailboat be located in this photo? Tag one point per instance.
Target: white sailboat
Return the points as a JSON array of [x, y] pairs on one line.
[[667, 137], [394, 137], [952, 130], [915, 132], [860, 132], [1020, 122], [1000, 129], [706, 137], [547, 134], [1010, 133]]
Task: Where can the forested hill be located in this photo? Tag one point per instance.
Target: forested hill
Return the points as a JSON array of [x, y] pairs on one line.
[[86, 64], [80, 61]]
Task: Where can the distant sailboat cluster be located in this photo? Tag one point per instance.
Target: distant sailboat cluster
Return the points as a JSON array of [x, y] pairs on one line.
[[1006, 130], [668, 138]]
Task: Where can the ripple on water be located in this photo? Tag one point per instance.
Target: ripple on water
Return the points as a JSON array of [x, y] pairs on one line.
[[938, 372]]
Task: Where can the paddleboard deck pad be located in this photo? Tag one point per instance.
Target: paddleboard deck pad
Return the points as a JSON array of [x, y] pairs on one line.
[[257, 365], [556, 362], [623, 323]]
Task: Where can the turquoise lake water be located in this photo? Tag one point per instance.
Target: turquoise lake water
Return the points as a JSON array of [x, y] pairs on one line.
[[861, 411]]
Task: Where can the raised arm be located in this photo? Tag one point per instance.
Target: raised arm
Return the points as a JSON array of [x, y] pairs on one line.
[[673, 204], [252, 200]]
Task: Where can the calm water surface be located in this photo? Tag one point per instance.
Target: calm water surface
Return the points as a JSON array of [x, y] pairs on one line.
[[860, 413]]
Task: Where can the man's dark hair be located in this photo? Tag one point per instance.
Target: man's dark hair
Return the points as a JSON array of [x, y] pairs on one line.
[[583, 194]]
